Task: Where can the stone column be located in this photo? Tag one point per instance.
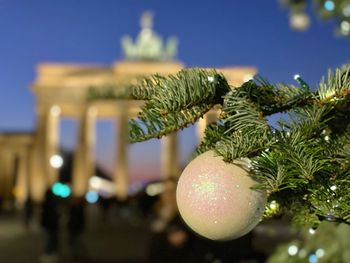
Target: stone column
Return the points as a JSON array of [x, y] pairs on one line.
[[169, 157], [208, 118], [52, 141], [22, 178], [200, 128], [7, 174], [84, 163], [45, 147], [2, 174], [121, 171], [37, 181]]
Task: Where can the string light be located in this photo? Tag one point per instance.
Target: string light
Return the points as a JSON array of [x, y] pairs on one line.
[[299, 21], [312, 231], [56, 161], [61, 190], [210, 79], [345, 27], [313, 258], [319, 253], [293, 250], [301, 82], [329, 5], [273, 205], [272, 209], [326, 9], [302, 253], [346, 10], [91, 197]]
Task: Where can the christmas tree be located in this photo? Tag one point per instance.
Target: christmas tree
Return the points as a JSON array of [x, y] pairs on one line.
[[301, 163], [329, 243]]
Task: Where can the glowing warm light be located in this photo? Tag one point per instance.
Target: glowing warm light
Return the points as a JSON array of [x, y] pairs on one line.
[[95, 182], [293, 250], [56, 161], [296, 76], [102, 186], [333, 187], [345, 27], [210, 79], [329, 5], [273, 205], [346, 11], [247, 77], [91, 197], [299, 21], [312, 231], [55, 110], [154, 189]]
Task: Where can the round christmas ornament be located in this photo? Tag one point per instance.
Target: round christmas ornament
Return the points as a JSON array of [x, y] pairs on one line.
[[216, 200]]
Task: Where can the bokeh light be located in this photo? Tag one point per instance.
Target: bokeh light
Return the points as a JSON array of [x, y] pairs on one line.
[[56, 161], [91, 197]]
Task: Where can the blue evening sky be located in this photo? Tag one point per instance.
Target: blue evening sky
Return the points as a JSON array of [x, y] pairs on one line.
[[211, 33]]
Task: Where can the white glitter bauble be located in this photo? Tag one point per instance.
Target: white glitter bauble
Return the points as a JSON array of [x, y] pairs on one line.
[[216, 200]]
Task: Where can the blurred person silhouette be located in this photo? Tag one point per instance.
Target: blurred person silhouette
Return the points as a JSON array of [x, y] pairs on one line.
[[1, 204], [50, 225], [76, 226], [147, 202], [28, 212], [165, 209], [171, 240]]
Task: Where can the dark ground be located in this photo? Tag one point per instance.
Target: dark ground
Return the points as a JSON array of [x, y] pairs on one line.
[[119, 241], [120, 237]]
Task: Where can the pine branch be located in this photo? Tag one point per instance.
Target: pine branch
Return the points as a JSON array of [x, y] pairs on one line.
[[152, 124], [212, 134], [336, 86], [240, 114], [177, 101], [298, 163], [142, 90], [241, 145]]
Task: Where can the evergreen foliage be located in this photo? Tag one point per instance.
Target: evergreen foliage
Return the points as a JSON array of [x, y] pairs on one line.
[[302, 162], [328, 244]]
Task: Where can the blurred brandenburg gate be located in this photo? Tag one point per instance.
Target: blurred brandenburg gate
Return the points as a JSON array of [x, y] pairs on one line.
[[60, 91]]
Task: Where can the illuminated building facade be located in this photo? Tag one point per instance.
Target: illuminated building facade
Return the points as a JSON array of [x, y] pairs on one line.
[[60, 91]]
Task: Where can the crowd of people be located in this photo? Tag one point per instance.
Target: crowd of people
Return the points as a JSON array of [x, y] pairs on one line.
[[170, 240], [58, 216]]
